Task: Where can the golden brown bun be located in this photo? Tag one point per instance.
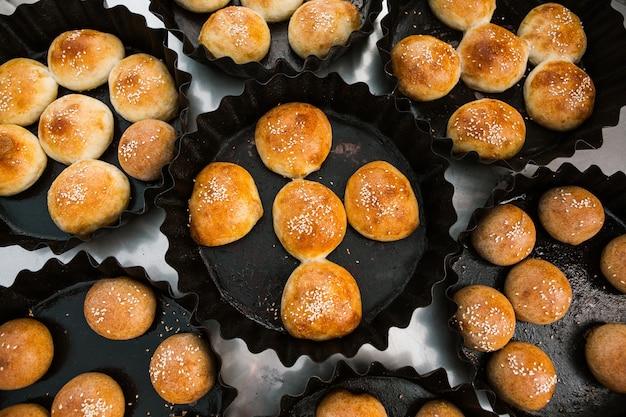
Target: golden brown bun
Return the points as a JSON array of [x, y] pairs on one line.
[[24, 410], [88, 394], [22, 159], [273, 10], [606, 356], [119, 308], [485, 318], [553, 32], [489, 127], [88, 195], [570, 214], [236, 32], [293, 139], [539, 292], [81, 59], [439, 408], [318, 25], [321, 301], [505, 235], [559, 95], [26, 352], [145, 148], [343, 403], [380, 203], [613, 262], [182, 368], [427, 68], [202, 6], [463, 14], [492, 58], [26, 88], [309, 219], [522, 375], [141, 87], [75, 127], [224, 205]]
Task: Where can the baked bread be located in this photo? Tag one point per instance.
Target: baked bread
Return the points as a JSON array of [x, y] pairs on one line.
[[22, 159], [75, 127], [463, 14], [26, 88], [570, 214], [380, 203], [202, 6], [522, 375], [273, 10], [488, 126], [321, 301], [493, 59], [146, 147], [89, 394], [88, 195], [484, 317], [342, 403], [119, 308], [605, 355], [427, 68], [553, 32], [613, 262], [141, 87], [505, 235], [224, 205], [318, 25], [236, 32], [81, 59], [293, 139], [439, 408], [538, 291], [183, 368], [309, 219], [24, 410], [559, 95], [26, 352]]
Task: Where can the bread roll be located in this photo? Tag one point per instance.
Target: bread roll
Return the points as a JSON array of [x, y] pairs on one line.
[[82, 59], [321, 301], [613, 262], [26, 89], [89, 394], [606, 356], [22, 159], [341, 402], [202, 6], [463, 14], [439, 408], [24, 410], [273, 10]]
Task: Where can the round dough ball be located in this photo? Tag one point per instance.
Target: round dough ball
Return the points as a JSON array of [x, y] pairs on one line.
[[553, 32], [146, 147], [613, 262], [202, 6], [606, 356], [439, 408], [505, 235], [570, 214], [75, 127], [427, 68], [88, 195], [183, 368], [119, 308], [489, 127], [141, 87], [236, 32], [539, 292], [293, 139], [309, 219], [380, 203], [88, 394], [318, 25], [26, 89], [559, 95], [26, 352], [24, 410], [484, 317], [82, 59], [492, 58], [22, 159], [463, 14], [321, 301], [341, 402], [522, 375], [273, 10]]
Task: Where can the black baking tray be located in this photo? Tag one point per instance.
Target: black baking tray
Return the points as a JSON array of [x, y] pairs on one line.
[[594, 300], [55, 295], [240, 284], [186, 25], [28, 32], [604, 61]]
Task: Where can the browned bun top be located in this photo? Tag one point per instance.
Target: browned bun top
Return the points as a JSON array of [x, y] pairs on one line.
[[89, 394], [22, 159], [439, 408], [613, 262], [202, 6], [606, 356], [273, 10], [343, 403], [463, 14], [24, 410]]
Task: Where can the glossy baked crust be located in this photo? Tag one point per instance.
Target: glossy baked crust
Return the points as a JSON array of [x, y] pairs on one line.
[[88, 394], [22, 159], [605, 355], [463, 14], [343, 403]]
